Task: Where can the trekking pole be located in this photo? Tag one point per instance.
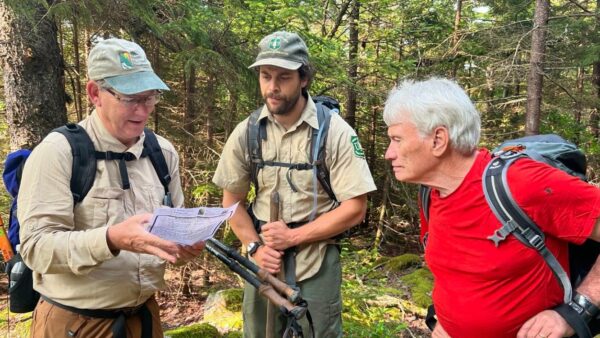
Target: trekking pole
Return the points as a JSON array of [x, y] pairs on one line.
[[271, 313], [256, 277], [261, 275]]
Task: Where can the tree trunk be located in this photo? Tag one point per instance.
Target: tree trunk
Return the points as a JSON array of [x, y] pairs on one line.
[[383, 208], [154, 57], [536, 69], [78, 88], [352, 64], [210, 104], [33, 72], [595, 116], [457, 16], [187, 158]]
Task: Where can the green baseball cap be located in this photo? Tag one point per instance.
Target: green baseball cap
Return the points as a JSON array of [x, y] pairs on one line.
[[282, 49], [124, 66]]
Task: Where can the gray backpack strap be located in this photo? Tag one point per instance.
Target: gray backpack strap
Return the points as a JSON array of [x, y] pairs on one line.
[[317, 156], [513, 218], [425, 198], [319, 145], [253, 140]]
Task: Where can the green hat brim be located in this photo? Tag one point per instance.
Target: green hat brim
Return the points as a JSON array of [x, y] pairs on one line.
[[136, 83]]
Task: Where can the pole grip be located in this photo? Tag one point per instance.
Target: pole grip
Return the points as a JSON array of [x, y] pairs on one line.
[[274, 214], [268, 291]]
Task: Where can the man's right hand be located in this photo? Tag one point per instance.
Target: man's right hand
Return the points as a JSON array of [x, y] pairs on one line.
[[131, 235], [268, 259]]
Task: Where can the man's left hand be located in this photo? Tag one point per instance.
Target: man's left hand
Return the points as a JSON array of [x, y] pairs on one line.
[[188, 252], [546, 324], [277, 235]]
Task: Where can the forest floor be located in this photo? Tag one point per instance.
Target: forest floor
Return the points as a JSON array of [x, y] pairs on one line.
[[375, 301]]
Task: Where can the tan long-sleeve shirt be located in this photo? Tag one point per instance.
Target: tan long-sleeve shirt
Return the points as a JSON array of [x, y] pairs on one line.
[[66, 246]]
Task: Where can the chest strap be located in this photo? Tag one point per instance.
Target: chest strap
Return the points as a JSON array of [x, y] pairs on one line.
[[119, 316]]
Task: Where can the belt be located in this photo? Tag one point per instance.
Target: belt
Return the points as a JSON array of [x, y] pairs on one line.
[[119, 316]]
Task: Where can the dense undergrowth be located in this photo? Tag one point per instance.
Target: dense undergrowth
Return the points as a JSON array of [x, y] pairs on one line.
[[382, 297]]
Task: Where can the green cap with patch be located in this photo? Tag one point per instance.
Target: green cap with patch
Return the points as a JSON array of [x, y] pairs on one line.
[[282, 49], [124, 66]]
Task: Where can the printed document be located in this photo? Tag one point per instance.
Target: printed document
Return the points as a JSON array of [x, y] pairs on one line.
[[188, 225]]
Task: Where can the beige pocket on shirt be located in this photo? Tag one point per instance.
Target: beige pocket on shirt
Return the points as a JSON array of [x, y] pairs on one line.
[[154, 195], [107, 205]]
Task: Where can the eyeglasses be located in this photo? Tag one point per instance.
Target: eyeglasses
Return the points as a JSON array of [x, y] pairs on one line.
[[131, 101]]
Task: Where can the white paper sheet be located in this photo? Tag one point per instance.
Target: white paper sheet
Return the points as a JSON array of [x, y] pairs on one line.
[[188, 225]]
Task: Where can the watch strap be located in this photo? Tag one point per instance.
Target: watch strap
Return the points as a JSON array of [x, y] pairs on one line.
[[574, 319], [588, 309], [253, 247]]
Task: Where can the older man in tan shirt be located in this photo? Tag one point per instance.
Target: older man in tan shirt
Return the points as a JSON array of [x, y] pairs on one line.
[[290, 115], [94, 264]]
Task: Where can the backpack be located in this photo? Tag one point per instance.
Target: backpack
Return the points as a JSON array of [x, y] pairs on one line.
[[554, 151], [13, 169], [22, 296], [257, 132]]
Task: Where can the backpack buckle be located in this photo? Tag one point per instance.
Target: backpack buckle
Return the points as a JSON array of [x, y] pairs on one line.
[[534, 239], [500, 234]]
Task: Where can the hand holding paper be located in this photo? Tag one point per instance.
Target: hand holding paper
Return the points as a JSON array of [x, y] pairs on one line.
[[188, 225]]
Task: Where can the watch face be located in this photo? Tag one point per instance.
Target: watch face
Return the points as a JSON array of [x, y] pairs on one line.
[[252, 248]]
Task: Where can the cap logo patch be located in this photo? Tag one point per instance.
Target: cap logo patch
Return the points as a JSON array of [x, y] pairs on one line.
[[275, 43], [125, 59]]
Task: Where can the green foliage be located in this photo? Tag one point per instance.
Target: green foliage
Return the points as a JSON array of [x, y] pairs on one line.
[[213, 42], [223, 309], [194, 331], [203, 191], [402, 262], [233, 299], [371, 307], [421, 283], [21, 323], [233, 334]]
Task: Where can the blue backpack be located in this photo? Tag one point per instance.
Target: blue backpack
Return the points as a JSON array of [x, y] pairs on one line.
[[13, 168], [554, 151]]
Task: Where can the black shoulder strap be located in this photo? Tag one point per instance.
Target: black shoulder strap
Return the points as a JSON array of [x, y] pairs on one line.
[[153, 150], [254, 133], [324, 118], [85, 156], [425, 198], [513, 218], [84, 161]]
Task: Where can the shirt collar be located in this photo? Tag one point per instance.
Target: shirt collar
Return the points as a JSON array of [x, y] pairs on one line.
[[105, 141]]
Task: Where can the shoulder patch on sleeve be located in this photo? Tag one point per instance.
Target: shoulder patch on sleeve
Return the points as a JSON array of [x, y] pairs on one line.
[[358, 151]]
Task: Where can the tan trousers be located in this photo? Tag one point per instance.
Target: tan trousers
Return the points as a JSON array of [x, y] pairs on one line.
[[50, 321]]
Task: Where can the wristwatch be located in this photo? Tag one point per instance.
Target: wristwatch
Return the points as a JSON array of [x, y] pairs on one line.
[[252, 247], [584, 307]]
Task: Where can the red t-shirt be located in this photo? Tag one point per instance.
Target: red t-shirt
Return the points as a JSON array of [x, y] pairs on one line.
[[485, 291]]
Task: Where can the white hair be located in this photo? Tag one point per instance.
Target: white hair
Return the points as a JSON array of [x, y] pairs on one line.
[[432, 103]]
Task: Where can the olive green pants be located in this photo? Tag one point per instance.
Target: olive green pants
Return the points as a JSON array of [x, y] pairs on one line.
[[321, 292]]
